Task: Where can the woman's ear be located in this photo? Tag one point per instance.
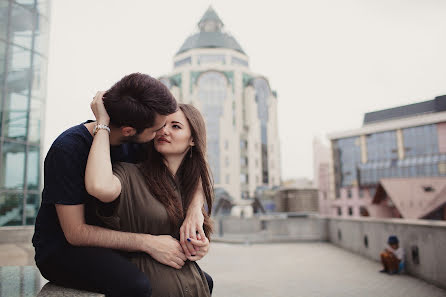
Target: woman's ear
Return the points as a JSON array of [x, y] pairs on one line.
[[192, 143]]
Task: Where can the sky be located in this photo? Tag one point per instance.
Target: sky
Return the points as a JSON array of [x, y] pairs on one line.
[[329, 61]]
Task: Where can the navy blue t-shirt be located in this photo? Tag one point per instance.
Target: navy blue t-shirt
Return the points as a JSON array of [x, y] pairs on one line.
[[64, 173]]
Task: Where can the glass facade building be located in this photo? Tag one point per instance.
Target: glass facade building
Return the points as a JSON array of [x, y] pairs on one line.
[[211, 71], [24, 27], [421, 157]]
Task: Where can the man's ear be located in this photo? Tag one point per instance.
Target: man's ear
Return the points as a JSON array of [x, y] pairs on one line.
[[128, 131]]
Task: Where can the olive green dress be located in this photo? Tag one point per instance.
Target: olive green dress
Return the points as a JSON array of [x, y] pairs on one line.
[[137, 211]]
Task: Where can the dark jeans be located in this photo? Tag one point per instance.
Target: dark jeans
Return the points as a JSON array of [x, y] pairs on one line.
[[98, 270]]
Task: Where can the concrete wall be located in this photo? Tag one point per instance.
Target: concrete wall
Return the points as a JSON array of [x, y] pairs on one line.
[[427, 237], [274, 228], [19, 234]]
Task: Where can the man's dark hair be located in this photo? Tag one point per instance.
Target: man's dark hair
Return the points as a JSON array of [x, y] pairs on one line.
[[136, 99]]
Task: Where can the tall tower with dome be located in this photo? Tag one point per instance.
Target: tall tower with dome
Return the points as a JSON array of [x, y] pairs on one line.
[[211, 71]]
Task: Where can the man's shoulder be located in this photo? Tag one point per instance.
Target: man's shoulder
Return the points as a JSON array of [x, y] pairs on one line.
[[73, 139]]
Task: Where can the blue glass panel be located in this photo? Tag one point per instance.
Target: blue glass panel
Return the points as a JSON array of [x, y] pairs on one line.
[[32, 207], [33, 168], [21, 25], [238, 61], [4, 18], [13, 166], [205, 59], [185, 61], [212, 88], [349, 154], [11, 209], [263, 93], [420, 140], [382, 146]]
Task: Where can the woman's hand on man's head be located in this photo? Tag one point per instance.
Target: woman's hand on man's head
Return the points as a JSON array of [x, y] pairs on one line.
[[98, 108]]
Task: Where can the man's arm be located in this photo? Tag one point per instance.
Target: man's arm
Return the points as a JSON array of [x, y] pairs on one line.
[[164, 248]]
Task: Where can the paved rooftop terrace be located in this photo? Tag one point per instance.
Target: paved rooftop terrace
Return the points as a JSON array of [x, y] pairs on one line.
[[263, 270]]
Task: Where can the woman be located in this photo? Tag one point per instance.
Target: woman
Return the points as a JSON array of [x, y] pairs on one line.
[[153, 197]]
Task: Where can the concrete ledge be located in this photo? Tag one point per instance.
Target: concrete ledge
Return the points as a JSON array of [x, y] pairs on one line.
[[423, 240], [24, 281], [20, 234], [52, 290], [254, 239], [424, 223]]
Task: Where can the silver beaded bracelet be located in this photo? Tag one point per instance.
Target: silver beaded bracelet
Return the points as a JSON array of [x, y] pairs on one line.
[[100, 126]]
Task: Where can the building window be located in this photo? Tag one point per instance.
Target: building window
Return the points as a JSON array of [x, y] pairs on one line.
[[350, 211], [361, 193], [244, 161], [243, 144], [363, 211], [226, 144], [262, 94], [13, 166], [227, 161], [238, 61], [212, 91], [185, 61], [243, 178], [339, 211], [349, 193], [206, 59], [382, 146], [421, 140], [347, 153]]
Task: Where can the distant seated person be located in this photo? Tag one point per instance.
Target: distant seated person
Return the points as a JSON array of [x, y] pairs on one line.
[[392, 257]]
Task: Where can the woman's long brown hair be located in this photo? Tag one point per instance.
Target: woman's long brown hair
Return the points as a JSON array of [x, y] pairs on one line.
[[193, 169]]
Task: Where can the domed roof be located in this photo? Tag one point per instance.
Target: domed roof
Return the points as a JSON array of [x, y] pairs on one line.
[[210, 35]]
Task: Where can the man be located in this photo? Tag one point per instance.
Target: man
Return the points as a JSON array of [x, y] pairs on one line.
[[392, 257], [72, 249]]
